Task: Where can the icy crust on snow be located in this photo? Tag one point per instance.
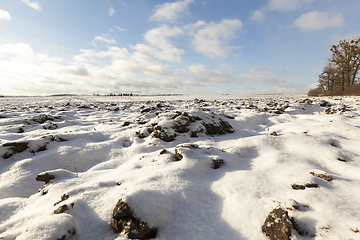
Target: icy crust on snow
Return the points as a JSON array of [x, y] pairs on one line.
[[176, 173]]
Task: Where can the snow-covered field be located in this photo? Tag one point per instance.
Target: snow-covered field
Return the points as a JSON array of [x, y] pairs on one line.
[[209, 168]]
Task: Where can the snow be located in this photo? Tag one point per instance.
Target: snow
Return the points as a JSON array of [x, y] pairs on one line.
[[97, 159]]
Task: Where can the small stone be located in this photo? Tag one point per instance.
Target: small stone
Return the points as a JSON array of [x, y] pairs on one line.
[[163, 151], [297, 186], [178, 156], [44, 177], [273, 133], [14, 147], [63, 198], [125, 124], [216, 163], [311, 185], [277, 225], [324, 176], [124, 221], [61, 209]]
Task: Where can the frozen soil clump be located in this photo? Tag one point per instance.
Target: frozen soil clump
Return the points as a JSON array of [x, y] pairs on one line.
[[125, 222], [14, 147], [168, 125], [277, 225]]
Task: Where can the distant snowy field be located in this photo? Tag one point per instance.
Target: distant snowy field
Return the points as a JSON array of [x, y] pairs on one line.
[[205, 168]]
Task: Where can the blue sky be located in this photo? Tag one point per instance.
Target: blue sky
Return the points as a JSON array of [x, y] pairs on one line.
[[157, 47]]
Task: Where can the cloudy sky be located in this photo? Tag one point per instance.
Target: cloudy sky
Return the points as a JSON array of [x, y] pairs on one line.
[[156, 46]]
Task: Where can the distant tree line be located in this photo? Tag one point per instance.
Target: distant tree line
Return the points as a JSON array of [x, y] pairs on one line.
[[118, 94], [340, 76]]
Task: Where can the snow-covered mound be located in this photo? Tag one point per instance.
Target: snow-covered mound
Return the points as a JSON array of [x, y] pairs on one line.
[[103, 168]]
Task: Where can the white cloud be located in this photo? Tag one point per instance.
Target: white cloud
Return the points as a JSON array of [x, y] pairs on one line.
[[104, 39], [269, 69], [34, 5], [278, 5], [117, 28], [211, 75], [169, 12], [112, 11], [5, 15], [258, 15], [91, 55], [76, 70], [160, 45], [25, 72], [274, 82], [284, 5], [210, 38], [318, 20]]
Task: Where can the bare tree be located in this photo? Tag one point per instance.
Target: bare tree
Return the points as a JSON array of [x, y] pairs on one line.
[[329, 79], [346, 58]]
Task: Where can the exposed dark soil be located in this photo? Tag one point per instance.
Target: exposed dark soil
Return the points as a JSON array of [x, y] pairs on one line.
[[125, 222]]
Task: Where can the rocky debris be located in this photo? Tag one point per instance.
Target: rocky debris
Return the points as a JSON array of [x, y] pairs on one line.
[[42, 118], [216, 163], [273, 134], [61, 209], [297, 206], [302, 187], [14, 147], [173, 123], [306, 101], [56, 138], [125, 222], [355, 230], [125, 124], [271, 107], [63, 198], [182, 123], [218, 128], [40, 148], [167, 135], [50, 126], [21, 130], [324, 176], [163, 152], [149, 109], [298, 186], [324, 103], [178, 155], [340, 108], [44, 177], [144, 132], [278, 225], [341, 159], [311, 185]]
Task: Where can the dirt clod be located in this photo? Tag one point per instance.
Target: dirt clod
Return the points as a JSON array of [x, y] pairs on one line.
[[178, 156], [125, 222], [311, 185], [277, 225], [216, 163], [14, 147], [298, 186], [44, 177], [324, 176], [61, 209], [63, 198]]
